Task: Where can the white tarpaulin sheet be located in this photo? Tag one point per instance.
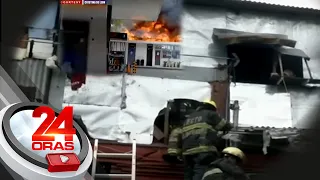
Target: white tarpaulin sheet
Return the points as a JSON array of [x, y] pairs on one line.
[[98, 102], [260, 108], [98, 91]]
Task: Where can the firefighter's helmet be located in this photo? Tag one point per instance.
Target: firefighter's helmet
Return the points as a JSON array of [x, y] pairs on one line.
[[211, 103], [236, 152]]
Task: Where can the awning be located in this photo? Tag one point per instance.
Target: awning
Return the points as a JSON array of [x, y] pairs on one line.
[[229, 37], [292, 52]]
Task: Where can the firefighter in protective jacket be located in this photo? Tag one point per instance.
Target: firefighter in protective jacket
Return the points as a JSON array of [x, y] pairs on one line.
[[174, 152], [227, 168], [200, 138], [174, 145]]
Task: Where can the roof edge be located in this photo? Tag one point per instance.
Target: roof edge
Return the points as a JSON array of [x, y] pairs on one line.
[[255, 6]]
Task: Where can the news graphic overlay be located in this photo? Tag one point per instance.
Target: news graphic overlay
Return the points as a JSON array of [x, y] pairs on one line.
[[50, 133], [47, 138], [53, 135], [84, 2], [92, 2]]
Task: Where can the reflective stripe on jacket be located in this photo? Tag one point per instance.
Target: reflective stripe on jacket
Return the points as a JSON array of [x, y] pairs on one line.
[[224, 169], [174, 146], [208, 174], [200, 131]]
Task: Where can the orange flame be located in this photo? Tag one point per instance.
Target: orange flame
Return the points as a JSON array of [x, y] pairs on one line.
[[154, 31]]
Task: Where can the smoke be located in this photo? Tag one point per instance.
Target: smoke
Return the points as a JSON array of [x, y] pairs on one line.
[[171, 11]]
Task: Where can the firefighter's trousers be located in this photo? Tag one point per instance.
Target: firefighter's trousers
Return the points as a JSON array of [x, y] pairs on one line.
[[196, 165]]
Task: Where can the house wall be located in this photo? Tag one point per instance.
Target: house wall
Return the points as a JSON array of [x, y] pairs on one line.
[[198, 24]]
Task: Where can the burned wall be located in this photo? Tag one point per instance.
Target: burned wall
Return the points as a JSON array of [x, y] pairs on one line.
[[198, 23]]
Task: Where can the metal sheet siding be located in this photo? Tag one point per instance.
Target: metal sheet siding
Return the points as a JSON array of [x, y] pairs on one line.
[[30, 73], [309, 4]]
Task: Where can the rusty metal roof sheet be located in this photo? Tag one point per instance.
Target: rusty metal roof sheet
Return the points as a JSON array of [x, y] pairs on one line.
[[150, 164]]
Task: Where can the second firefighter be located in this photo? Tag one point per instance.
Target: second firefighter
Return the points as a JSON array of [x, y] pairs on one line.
[[200, 138]]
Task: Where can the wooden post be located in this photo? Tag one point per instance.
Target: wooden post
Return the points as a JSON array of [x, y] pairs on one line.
[[166, 122]]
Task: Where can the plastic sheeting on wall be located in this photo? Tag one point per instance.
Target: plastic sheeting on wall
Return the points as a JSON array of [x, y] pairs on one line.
[[197, 29], [98, 91], [259, 107], [101, 121], [146, 96]]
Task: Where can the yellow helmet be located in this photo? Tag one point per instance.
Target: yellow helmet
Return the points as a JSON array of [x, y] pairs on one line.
[[210, 102], [235, 152]]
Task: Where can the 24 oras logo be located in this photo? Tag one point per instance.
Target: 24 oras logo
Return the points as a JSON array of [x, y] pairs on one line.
[[44, 138]]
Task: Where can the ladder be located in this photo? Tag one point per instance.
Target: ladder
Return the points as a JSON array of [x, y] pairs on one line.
[[131, 155]]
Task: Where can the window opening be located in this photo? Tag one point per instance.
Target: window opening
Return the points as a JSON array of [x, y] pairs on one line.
[[256, 62]]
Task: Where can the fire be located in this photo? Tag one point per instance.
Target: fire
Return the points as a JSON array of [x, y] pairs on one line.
[[154, 31]]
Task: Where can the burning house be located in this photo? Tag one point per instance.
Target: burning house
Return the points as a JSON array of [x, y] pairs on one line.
[[154, 31], [149, 43]]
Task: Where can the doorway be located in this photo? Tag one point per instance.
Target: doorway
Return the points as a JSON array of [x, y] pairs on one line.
[[75, 44]]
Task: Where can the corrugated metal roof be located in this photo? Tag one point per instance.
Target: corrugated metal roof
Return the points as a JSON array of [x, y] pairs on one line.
[[301, 6], [30, 73], [257, 6], [150, 163]]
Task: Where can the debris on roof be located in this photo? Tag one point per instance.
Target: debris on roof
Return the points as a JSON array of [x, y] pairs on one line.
[[264, 137]]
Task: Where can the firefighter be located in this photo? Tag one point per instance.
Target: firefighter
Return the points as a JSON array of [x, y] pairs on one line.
[[200, 138], [228, 167], [174, 145], [174, 152]]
